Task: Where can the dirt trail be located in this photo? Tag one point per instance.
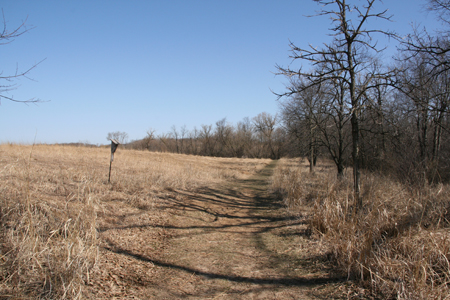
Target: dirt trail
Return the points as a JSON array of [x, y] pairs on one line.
[[232, 242]]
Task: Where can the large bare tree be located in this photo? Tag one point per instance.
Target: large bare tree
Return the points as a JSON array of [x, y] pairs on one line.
[[348, 58]]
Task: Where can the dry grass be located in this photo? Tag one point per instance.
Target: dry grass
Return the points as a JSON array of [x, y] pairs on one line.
[[53, 199], [296, 186], [398, 246]]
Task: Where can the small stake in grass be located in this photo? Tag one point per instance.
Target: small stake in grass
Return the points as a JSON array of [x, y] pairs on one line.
[[114, 145]]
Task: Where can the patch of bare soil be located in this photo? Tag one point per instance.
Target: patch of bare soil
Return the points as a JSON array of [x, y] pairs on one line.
[[233, 241]]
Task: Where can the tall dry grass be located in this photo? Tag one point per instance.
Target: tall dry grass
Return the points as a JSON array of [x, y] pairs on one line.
[[398, 245], [51, 199], [48, 224]]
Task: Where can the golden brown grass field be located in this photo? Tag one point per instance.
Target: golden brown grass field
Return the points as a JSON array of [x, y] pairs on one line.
[[174, 226], [58, 211]]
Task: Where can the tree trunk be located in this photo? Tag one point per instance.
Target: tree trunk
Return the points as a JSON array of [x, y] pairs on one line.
[[311, 147], [382, 140], [356, 159], [437, 138], [355, 124]]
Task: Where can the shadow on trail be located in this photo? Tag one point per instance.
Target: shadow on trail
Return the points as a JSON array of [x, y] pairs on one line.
[[232, 199], [227, 203], [244, 209], [284, 281]]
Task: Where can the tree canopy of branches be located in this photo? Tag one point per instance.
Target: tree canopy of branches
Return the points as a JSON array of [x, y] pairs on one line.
[[318, 117], [348, 60], [8, 82], [435, 49]]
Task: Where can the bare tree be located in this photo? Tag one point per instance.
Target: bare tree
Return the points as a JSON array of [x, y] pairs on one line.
[[347, 59], [183, 135], [318, 116], [243, 138], [121, 137], [376, 106], [222, 134], [264, 124], [192, 147], [440, 111], [415, 83], [7, 82], [149, 138], [300, 118], [226, 135], [206, 135], [164, 138], [427, 99], [334, 127], [175, 135]]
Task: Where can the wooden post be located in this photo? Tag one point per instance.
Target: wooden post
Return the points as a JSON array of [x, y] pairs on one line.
[[109, 177], [114, 145]]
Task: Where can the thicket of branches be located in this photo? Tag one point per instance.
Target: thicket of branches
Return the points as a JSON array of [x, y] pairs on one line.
[[361, 113]]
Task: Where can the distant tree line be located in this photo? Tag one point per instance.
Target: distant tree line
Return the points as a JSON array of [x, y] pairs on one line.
[[259, 137]]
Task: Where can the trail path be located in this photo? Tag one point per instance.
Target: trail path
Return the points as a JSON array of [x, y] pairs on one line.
[[232, 242]]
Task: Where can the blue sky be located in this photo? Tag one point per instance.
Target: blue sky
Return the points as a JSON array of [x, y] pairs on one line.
[[134, 65]]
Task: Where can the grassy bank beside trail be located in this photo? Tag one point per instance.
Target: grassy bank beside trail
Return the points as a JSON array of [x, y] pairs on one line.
[[397, 246], [54, 199]]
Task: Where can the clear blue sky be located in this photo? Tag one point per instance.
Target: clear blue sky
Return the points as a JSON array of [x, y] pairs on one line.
[[134, 65]]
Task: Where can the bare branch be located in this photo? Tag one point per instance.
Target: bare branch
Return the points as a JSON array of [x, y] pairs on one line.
[[6, 37]]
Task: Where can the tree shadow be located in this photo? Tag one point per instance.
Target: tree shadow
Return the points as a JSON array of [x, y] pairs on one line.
[[283, 281], [230, 209]]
